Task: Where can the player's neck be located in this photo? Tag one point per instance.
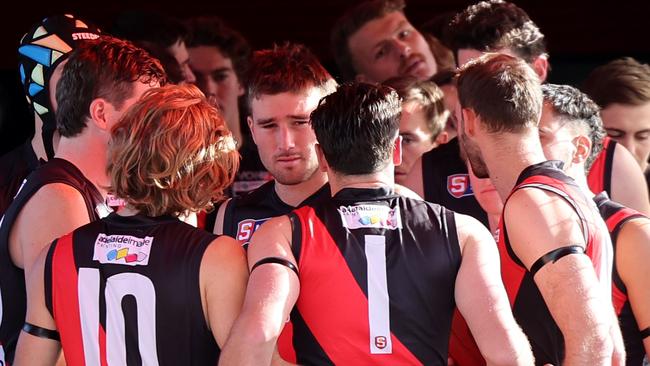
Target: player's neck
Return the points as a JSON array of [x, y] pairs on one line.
[[295, 194], [88, 156], [577, 172], [509, 157], [383, 178]]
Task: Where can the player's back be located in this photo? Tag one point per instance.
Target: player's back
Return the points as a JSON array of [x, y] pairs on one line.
[[126, 290], [377, 274]]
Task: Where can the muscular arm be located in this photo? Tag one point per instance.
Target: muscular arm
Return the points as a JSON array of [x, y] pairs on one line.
[[223, 279], [628, 183], [539, 222], [32, 350], [271, 294], [482, 299], [218, 222], [53, 211], [632, 258]]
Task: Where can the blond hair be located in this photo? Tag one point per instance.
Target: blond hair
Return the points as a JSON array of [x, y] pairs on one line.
[[171, 153]]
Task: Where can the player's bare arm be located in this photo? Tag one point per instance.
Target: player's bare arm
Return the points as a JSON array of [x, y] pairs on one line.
[[540, 223], [272, 291], [482, 299]]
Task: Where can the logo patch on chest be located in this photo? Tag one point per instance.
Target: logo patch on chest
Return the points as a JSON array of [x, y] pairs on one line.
[[122, 249], [458, 185], [246, 228], [370, 216]]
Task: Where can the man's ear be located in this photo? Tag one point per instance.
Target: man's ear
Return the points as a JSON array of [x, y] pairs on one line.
[[469, 121], [249, 120], [540, 65], [583, 149], [397, 151], [98, 111], [361, 78], [240, 89], [322, 163]]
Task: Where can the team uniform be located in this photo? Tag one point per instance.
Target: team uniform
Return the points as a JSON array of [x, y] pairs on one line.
[[377, 274], [446, 181], [15, 167], [599, 178], [528, 306], [12, 278], [245, 214], [615, 216], [125, 291]]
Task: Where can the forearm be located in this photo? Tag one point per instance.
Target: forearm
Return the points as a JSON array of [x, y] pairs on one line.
[[250, 343]]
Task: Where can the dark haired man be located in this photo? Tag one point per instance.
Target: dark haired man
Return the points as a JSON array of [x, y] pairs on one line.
[[374, 275], [373, 41], [571, 131], [555, 250], [100, 80]]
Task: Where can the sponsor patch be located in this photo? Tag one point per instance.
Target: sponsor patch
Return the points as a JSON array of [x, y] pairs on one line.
[[122, 249], [246, 228], [370, 216], [458, 185]]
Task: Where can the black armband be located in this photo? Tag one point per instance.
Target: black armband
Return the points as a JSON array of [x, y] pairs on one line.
[[276, 260], [645, 333], [554, 255], [37, 331]]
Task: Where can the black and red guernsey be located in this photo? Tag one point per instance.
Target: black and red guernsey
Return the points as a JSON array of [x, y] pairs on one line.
[[12, 278], [600, 173], [528, 306], [615, 216], [125, 291], [377, 275]]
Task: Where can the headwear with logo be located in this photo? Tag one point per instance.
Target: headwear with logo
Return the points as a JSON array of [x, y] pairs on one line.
[[41, 50]]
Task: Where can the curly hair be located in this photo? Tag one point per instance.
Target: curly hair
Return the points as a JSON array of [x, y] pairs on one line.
[[171, 153], [576, 108], [496, 24]]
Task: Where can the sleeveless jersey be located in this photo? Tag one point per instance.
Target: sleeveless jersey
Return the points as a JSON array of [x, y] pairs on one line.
[[446, 181], [528, 306], [615, 216], [600, 174], [125, 291], [245, 214], [15, 166], [12, 278], [377, 275]]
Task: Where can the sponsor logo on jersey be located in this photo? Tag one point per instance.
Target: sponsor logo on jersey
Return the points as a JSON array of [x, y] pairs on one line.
[[370, 216], [380, 342], [246, 228], [458, 185], [122, 249], [84, 35]]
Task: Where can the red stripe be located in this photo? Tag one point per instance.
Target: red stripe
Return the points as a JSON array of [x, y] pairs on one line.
[[333, 305], [596, 176], [65, 300], [285, 344], [462, 347], [619, 216], [102, 346], [511, 273]]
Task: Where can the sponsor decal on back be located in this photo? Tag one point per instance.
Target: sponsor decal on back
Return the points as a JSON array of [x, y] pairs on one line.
[[370, 216], [122, 249]]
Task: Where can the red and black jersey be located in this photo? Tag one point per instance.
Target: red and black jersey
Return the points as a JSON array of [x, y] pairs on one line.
[[528, 306], [125, 291], [15, 166], [600, 174], [615, 216], [377, 275], [12, 278], [245, 214], [446, 181]]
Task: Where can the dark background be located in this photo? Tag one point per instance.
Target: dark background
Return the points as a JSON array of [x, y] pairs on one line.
[[580, 34]]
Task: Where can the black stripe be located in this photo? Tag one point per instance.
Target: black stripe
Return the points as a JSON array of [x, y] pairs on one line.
[[37, 331], [48, 277], [555, 255], [276, 260]]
